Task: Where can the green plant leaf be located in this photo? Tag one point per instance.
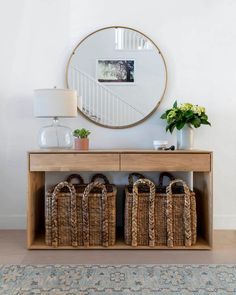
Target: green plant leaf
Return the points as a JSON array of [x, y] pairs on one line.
[[175, 105], [204, 117], [170, 127], [81, 133], [180, 125], [163, 116], [188, 114], [196, 122], [205, 122]]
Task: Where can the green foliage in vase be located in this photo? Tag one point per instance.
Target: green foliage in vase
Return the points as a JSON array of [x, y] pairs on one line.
[[81, 133], [185, 114]]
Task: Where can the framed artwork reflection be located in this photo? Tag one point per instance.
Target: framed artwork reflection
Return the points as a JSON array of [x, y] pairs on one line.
[[115, 71]]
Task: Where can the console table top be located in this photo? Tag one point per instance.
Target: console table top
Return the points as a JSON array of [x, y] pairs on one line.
[[116, 151]]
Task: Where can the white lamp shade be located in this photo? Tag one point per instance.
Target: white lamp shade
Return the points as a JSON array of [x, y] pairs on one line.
[[55, 103]]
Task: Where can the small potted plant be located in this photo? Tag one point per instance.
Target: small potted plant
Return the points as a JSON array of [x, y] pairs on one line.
[[81, 139], [184, 118]]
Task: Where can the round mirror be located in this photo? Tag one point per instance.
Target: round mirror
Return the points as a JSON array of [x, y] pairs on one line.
[[120, 77]]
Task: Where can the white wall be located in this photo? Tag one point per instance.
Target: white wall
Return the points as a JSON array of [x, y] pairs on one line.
[[198, 40]]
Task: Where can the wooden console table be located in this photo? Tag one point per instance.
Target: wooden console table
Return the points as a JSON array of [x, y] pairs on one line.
[[199, 162]]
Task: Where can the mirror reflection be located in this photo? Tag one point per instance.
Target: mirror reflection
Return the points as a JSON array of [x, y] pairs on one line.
[[119, 75]]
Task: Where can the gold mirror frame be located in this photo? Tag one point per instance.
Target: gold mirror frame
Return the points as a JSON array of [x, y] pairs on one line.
[[159, 101]]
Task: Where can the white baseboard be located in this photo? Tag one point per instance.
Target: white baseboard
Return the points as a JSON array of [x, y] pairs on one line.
[[225, 222], [19, 222], [12, 221]]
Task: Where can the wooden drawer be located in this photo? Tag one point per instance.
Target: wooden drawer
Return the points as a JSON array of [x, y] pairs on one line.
[[166, 162], [74, 162]]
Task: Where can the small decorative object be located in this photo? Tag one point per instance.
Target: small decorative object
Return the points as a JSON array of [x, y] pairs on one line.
[[55, 103], [81, 139], [160, 144], [171, 148], [184, 118]]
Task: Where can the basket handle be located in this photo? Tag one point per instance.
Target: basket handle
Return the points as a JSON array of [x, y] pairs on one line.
[[151, 231], [75, 176], [85, 209], [165, 174], [187, 215], [73, 217], [97, 176], [133, 175]]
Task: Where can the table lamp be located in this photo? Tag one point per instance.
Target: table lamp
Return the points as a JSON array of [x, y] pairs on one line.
[[55, 103]]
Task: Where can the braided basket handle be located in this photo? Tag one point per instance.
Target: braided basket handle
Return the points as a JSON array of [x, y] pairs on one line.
[[97, 176], [165, 174], [151, 231], [85, 210], [187, 214], [73, 217], [75, 176], [133, 175]]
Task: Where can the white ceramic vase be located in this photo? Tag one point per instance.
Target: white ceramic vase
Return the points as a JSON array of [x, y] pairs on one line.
[[185, 138]]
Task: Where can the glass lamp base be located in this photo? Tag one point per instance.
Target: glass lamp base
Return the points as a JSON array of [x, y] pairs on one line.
[[55, 136]]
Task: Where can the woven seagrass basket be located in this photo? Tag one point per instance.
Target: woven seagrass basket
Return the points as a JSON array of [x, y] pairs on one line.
[[159, 216], [98, 208], [94, 225], [61, 216]]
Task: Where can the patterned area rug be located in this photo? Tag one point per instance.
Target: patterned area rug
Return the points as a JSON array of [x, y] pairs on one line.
[[117, 279]]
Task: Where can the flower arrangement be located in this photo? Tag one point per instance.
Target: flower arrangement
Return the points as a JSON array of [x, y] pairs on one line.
[[185, 114]]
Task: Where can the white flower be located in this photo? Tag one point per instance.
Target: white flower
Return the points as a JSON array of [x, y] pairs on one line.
[[198, 110], [171, 114], [186, 106]]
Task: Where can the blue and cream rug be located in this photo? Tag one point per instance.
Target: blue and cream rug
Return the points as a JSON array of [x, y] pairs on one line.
[[117, 279]]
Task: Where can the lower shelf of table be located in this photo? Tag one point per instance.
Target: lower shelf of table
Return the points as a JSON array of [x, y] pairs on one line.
[[39, 244]]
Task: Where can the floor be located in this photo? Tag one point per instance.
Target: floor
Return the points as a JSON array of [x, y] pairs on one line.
[[13, 251]]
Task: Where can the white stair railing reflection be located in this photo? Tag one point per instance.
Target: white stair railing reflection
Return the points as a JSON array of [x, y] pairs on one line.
[[131, 40], [100, 103]]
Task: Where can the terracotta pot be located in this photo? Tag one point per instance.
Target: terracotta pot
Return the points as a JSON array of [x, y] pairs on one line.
[[81, 143]]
